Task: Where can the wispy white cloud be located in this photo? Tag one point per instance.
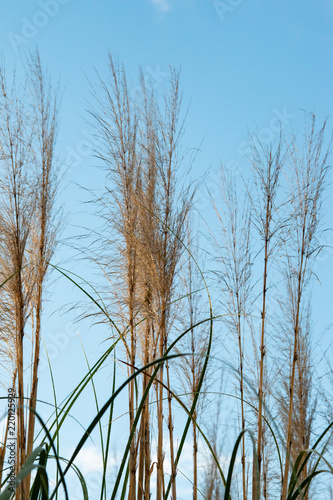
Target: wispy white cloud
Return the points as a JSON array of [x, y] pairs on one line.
[[161, 5], [90, 460]]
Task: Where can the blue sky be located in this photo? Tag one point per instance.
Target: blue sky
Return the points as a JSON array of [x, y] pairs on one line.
[[240, 60], [243, 63]]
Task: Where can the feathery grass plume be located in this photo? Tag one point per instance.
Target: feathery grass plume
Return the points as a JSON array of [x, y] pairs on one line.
[[17, 205], [305, 402], [195, 343], [267, 161], [117, 124], [28, 226], [164, 208], [307, 182], [46, 219], [146, 213], [233, 249]]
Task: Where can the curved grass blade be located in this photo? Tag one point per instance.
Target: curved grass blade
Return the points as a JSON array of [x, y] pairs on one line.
[[28, 466], [305, 484], [231, 466], [321, 457], [160, 361], [55, 401], [79, 389], [232, 463], [95, 398], [183, 406], [12, 275], [108, 438], [104, 311], [123, 492], [189, 480], [80, 477], [295, 477], [103, 410], [207, 355], [51, 446], [269, 426], [41, 484]]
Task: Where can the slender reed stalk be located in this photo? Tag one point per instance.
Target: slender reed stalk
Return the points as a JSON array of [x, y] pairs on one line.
[[267, 163], [309, 168], [234, 278]]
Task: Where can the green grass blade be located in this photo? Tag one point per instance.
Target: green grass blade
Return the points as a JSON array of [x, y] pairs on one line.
[[231, 466], [123, 491], [79, 475], [184, 407], [40, 484], [51, 446], [104, 409], [308, 455], [55, 403], [95, 399], [305, 484], [108, 438], [26, 469]]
